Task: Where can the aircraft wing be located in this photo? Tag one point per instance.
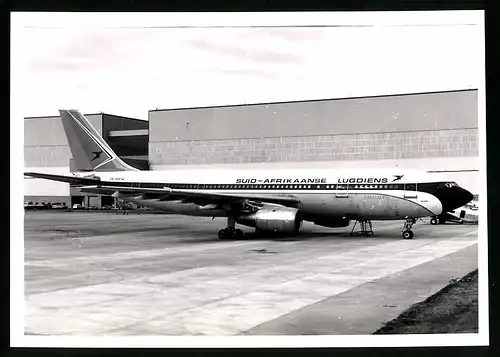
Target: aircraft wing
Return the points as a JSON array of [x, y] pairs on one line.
[[195, 196]]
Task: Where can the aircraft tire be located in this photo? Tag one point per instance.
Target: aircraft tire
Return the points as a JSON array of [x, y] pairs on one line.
[[407, 234], [224, 234], [434, 221], [238, 234]]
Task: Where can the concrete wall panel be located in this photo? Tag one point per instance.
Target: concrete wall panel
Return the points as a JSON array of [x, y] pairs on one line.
[[47, 156], [437, 111]]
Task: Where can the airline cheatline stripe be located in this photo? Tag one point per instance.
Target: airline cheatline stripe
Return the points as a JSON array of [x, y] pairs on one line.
[[425, 187]]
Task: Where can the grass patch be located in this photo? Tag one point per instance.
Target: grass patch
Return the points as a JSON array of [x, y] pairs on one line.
[[451, 310]]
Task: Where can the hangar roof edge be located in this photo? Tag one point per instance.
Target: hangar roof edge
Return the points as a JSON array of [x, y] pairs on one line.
[[87, 114], [314, 100]]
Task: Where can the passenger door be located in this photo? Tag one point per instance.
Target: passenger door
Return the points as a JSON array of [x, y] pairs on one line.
[[342, 190], [410, 190]]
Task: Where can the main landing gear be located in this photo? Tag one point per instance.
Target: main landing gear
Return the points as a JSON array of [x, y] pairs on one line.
[[408, 233], [230, 232]]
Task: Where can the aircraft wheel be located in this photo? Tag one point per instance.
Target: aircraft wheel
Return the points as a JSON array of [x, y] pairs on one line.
[[461, 221], [224, 234], [238, 233], [407, 234], [434, 220]]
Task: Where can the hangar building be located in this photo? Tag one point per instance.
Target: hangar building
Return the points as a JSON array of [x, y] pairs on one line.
[[431, 131]]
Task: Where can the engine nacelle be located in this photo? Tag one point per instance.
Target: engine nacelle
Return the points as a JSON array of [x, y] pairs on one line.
[[278, 220], [333, 222]]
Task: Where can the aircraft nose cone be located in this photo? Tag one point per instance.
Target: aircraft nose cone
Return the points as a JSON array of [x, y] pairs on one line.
[[456, 197]]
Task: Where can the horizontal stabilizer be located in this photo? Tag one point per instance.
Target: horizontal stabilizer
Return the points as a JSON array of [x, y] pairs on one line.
[[110, 190], [62, 178]]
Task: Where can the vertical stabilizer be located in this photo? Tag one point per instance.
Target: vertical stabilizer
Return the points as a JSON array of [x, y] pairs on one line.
[[90, 151]]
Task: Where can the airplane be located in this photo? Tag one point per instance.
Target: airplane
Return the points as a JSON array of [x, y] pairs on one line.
[[272, 201], [465, 214]]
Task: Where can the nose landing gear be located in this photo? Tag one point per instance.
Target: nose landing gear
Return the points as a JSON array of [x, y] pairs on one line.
[[408, 233]]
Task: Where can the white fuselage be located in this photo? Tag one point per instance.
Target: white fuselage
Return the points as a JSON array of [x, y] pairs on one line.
[[366, 194]]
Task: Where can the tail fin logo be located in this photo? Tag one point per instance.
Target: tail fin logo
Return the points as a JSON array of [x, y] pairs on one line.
[[97, 154]]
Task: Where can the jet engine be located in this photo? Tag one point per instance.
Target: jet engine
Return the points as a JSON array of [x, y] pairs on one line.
[[278, 220], [332, 222]]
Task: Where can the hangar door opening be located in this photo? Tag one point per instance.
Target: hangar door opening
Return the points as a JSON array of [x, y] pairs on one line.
[[107, 201], [76, 200]]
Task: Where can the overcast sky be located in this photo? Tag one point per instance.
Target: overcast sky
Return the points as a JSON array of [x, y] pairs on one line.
[[121, 65]]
